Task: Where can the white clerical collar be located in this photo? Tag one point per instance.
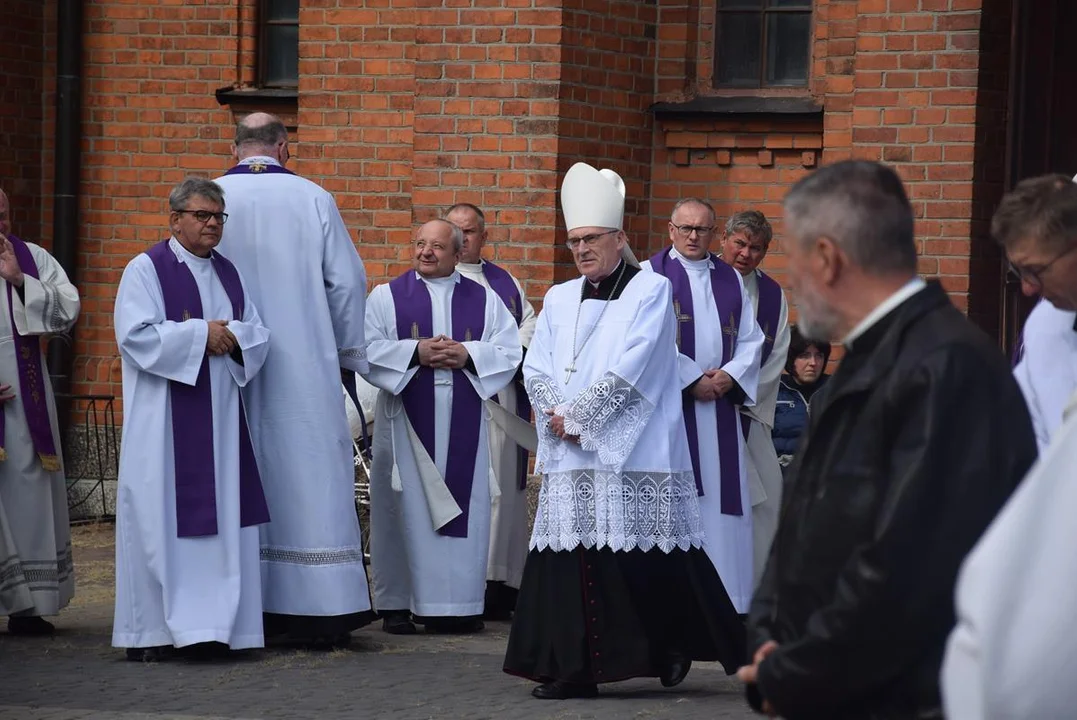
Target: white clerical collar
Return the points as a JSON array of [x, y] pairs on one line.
[[884, 308], [262, 159], [470, 267], [183, 254], [705, 262], [448, 279]]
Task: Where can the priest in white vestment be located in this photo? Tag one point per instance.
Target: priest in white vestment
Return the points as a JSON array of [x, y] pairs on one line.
[[617, 584], [720, 345], [302, 270], [439, 345], [189, 499], [745, 243], [1012, 652], [508, 521], [36, 574], [1047, 371]]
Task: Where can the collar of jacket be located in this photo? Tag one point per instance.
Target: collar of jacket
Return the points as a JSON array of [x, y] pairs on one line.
[[884, 340]]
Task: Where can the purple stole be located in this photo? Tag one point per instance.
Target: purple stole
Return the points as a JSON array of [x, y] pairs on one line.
[[728, 300], [35, 404], [258, 168], [192, 409], [414, 321], [501, 283], [767, 315]]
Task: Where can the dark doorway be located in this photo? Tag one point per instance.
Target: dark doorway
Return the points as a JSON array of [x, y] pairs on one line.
[[1042, 106]]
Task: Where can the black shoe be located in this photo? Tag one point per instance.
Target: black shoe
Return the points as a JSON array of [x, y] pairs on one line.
[[675, 672], [561, 690], [29, 626], [397, 622], [500, 601], [150, 654]]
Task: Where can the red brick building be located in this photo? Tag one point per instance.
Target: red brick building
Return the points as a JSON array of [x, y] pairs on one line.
[[401, 107]]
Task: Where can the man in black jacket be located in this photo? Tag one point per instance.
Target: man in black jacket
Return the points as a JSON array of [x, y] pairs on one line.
[[913, 447]]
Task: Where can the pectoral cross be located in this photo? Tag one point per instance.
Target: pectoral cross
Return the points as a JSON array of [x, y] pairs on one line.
[[681, 319], [731, 331], [569, 370]]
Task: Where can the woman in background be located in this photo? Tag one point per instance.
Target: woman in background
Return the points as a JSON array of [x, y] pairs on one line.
[[804, 374]]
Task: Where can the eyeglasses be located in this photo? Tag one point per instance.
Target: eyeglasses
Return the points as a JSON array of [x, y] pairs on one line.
[[203, 216], [587, 240], [700, 230], [1034, 275]]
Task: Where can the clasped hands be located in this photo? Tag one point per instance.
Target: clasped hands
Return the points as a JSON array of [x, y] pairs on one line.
[[557, 427], [714, 384], [442, 353], [220, 340]]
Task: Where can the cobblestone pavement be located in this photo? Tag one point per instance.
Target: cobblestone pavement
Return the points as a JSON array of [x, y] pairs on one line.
[[77, 675]]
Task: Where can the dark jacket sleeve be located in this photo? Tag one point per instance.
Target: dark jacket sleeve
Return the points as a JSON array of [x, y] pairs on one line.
[[961, 440]]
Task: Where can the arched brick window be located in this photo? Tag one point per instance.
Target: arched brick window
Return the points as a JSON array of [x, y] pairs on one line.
[[762, 43]]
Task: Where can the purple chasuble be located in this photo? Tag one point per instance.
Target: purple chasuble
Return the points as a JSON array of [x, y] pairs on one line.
[[258, 168], [31, 375], [501, 283], [192, 408], [415, 321], [767, 315], [728, 301]]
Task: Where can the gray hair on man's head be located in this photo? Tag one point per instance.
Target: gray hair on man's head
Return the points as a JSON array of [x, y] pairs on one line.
[[181, 195], [473, 208], [753, 224], [455, 233], [693, 201], [862, 207], [260, 130]]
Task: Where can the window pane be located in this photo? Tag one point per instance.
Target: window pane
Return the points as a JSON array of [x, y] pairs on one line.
[[282, 10], [281, 55], [806, 4], [788, 48], [739, 4], [738, 57]]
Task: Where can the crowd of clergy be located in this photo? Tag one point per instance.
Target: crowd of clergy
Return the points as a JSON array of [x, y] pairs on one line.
[[884, 542]]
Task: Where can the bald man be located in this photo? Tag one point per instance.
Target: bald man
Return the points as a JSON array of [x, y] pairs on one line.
[[440, 345], [289, 242], [36, 298]]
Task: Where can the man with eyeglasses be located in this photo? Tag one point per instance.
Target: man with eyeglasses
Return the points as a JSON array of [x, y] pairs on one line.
[[1012, 649], [190, 496], [720, 344], [288, 239], [509, 459], [1037, 226], [616, 584], [745, 243], [36, 577]]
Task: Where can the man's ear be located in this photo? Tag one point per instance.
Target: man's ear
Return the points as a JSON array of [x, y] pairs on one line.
[[235, 152], [830, 260]]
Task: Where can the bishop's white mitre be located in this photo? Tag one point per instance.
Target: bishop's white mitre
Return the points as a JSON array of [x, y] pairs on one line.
[[594, 198]]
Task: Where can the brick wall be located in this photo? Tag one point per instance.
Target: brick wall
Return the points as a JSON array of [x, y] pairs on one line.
[[22, 102], [406, 106]]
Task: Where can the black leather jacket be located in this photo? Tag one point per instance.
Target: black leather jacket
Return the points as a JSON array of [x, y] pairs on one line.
[[913, 447]]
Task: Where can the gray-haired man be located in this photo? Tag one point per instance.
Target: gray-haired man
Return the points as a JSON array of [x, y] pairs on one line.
[[745, 243], [920, 437]]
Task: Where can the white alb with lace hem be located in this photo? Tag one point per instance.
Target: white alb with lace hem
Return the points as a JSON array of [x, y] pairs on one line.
[[627, 483]]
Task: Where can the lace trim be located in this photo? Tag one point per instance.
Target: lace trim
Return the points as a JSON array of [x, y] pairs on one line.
[[545, 394], [293, 556], [609, 416], [618, 510], [353, 353]]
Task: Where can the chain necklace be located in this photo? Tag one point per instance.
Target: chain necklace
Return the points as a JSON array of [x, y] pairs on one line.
[[576, 327]]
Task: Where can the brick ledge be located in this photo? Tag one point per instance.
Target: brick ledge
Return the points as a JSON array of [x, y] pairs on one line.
[[739, 105]]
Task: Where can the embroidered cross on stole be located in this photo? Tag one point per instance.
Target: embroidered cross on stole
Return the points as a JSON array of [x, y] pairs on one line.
[[682, 318]]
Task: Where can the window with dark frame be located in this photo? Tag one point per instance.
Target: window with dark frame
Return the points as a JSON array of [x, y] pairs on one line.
[[278, 46], [762, 43]]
